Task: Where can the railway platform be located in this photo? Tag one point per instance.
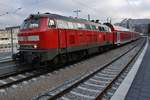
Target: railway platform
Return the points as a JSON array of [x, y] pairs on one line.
[[140, 88], [136, 85]]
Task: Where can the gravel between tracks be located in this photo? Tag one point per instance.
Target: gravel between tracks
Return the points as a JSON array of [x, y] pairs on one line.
[[27, 90]]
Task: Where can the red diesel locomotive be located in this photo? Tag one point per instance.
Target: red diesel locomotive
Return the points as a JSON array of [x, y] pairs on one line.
[[55, 38]]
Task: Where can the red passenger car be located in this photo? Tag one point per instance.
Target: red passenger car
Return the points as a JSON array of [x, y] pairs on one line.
[[122, 35]]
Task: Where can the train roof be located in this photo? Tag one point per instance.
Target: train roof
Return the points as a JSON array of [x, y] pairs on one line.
[[56, 16], [117, 28]]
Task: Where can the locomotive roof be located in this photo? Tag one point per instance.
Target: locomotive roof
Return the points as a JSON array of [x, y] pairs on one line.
[[56, 16]]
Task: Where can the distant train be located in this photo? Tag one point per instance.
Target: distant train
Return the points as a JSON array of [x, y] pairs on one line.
[[54, 38]]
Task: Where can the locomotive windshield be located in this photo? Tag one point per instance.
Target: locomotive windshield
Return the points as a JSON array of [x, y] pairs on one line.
[[30, 23]]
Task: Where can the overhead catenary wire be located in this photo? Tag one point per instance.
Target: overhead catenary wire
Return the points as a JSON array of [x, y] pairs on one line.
[[105, 18], [12, 12]]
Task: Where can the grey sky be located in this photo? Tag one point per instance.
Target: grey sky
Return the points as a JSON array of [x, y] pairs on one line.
[[98, 9]]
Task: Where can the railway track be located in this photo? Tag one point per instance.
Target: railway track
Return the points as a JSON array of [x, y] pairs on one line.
[[96, 84], [12, 69], [6, 60], [15, 78], [12, 79]]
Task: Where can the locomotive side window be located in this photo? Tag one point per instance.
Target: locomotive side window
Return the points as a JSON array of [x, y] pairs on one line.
[[94, 27], [75, 26], [79, 26], [65, 24], [62, 24], [59, 24], [97, 28], [83, 26], [70, 25], [88, 26], [51, 23]]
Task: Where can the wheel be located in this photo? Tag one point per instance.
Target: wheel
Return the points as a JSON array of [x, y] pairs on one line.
[[63, 58], [55, 61]]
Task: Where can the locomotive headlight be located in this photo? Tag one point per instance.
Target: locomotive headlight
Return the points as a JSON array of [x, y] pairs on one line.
[[18, 46], [35, 46]]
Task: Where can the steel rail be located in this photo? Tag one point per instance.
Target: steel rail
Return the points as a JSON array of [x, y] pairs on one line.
[[100, 95], [28, 75], [65, 91]]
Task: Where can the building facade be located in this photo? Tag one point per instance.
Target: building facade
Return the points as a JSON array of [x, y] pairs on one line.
[[139, 25], [6, 36]]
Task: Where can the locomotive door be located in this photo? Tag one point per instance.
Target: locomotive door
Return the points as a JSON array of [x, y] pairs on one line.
[[62, 39], [118, 38]]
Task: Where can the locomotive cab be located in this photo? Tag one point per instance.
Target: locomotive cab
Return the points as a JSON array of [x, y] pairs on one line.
[[32, 39]]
